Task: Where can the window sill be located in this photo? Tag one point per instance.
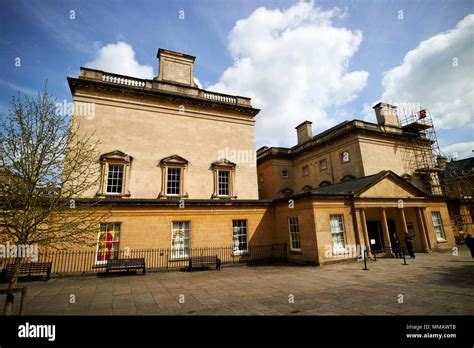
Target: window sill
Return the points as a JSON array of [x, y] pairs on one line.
[[173, 197], [177, 259], [224, 198], [340, 252], [243, 253], [296, 252], [441, 240], [113, 195]]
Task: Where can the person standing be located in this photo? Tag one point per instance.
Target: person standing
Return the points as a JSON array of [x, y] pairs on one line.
[[397, 250], [409, 243], [470, 243]]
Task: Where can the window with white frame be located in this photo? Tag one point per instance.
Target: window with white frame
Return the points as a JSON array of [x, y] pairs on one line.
[[224, 182], [115, 178], [438, 225], [239, 236], [323, 164], [284, 173], [115, 171], [224, 176], [337, 232], [305, 170], [108, 242], [173, 184], [173, 170], [295, 240], [180, 239]]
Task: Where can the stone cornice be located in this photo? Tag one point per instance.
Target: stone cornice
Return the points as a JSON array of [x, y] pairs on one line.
[[343, 129], [97, 80]]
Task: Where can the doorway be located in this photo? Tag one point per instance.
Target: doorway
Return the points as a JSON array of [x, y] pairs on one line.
[[374, 230], [392, 230]]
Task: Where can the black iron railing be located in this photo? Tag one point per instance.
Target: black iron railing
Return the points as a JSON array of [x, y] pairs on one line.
[[88, 261]]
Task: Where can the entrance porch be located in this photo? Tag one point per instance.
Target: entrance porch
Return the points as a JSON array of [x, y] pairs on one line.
[[379, 226]]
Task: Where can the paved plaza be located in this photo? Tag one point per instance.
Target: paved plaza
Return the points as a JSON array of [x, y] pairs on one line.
[[433, 284]]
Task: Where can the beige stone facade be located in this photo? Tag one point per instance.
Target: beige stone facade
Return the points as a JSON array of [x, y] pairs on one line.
[[149, 225], [180, 165], [347, 151], [150, 120], [458, 182], [370, 213]]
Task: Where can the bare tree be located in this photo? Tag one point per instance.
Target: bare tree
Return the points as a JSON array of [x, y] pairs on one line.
[[46, 167]]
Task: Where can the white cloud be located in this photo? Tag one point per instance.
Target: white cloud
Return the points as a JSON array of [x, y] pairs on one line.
[[368, 113], [293, 64], [197, 82], [120, 58], [429, 76], [461, 149]]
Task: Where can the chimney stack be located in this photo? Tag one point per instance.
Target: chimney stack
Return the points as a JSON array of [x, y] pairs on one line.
[[304, 131], [176, 67], [441, 161], [386, 115]]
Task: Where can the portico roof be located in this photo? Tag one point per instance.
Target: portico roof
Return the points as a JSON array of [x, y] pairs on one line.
[[358, 186], [370, 186]]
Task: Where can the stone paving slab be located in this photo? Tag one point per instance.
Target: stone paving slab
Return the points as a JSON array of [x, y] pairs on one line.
[[433, 284]]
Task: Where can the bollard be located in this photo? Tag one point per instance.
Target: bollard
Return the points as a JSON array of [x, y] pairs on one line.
[[23, 296], [365, 260], [404, 260]]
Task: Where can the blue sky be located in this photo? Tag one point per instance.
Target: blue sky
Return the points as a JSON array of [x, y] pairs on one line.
[[53, 46]]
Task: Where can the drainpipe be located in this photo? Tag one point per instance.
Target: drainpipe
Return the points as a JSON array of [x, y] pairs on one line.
[[332, 169]]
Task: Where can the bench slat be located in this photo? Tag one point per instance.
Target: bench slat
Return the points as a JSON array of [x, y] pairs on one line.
[[125, 264], [29, 268], [200, 261]]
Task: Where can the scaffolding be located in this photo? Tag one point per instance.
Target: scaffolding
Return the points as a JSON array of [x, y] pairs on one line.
[[425, 152], [426, 160], [433, 174]]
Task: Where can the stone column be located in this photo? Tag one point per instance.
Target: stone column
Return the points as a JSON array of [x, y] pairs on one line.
[[422, 230], [386, 234], [364, 229], [404, 220], [425, 223]]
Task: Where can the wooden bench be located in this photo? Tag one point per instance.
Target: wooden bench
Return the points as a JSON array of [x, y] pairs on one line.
[[29, 269], [125, 265], [203, 261]]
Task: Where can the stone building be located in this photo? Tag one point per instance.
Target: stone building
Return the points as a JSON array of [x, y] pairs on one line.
[[458, 181], [180, 165], [353, 184], [178, 161]]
